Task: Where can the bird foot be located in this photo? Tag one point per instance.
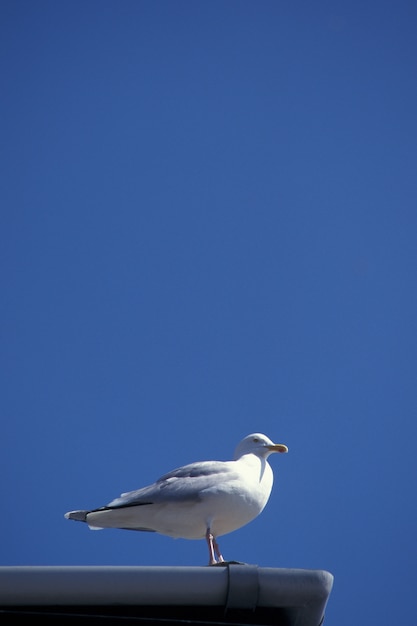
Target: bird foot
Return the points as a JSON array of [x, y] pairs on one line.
[[226, 563]]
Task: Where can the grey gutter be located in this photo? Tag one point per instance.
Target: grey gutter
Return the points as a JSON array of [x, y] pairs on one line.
[[304, 592]]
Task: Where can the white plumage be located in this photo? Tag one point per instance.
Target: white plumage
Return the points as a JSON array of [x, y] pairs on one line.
[[200, 500]]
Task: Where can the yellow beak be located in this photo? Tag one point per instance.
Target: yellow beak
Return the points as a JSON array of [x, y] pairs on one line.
[[278, 447]]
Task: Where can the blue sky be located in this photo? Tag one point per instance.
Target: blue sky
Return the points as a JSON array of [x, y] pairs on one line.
[[208, 228]]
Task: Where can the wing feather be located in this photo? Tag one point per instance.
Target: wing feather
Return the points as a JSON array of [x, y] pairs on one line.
[[183, 484]]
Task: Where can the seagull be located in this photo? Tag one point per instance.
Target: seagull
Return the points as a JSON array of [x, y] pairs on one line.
[[203, 500]]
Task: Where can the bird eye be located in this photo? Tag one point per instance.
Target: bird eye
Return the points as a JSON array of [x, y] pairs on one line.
[[256, 439]]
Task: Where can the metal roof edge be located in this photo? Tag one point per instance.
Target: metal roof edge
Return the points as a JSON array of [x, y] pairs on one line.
[[232, 586]]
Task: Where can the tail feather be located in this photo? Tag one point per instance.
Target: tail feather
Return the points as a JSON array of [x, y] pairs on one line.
[[78, 516], [81, 516]]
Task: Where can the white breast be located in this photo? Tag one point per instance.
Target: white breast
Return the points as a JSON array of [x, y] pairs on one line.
[[234, 504]]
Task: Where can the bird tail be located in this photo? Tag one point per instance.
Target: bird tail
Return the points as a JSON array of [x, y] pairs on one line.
[[81, 516], [78, 516]]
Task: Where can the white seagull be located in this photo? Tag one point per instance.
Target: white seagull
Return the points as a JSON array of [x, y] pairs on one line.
[[200, 500]]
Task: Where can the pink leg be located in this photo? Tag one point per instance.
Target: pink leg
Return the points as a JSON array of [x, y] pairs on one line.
[[211, 542], [217, 551]]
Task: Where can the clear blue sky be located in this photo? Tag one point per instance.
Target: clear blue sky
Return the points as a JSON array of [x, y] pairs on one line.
[[208, 228]]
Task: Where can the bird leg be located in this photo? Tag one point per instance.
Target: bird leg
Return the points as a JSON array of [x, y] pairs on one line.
[[214, 549], [217, 551], [210, 543]]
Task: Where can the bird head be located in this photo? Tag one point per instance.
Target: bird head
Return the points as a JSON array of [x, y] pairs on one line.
[[258, 444]]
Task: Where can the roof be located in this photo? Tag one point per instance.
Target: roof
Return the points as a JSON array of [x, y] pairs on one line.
[[229, 594]]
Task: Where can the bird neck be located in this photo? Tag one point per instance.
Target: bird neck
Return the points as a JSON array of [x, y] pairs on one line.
[[256, 462]]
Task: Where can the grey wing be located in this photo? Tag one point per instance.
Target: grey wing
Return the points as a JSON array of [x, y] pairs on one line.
[[182, 484]]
